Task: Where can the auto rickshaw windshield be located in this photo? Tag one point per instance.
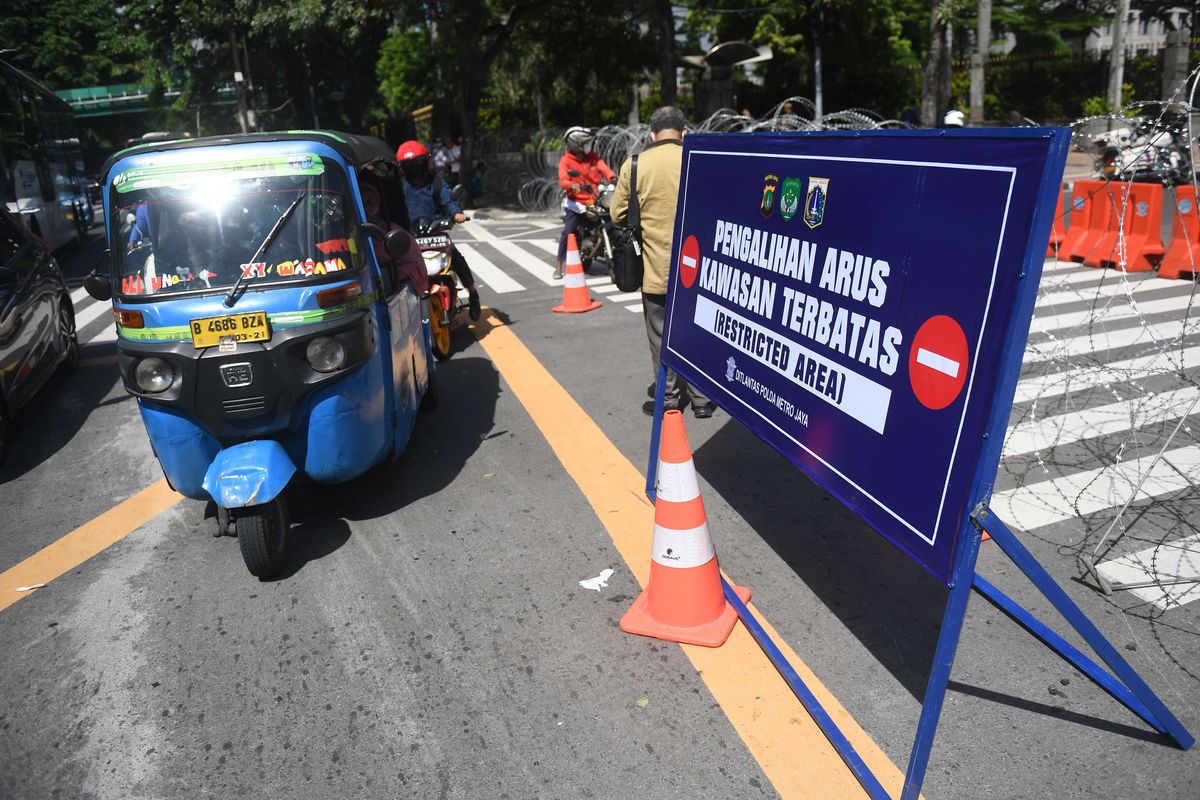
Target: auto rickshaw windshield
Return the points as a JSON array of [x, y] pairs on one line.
[[196, 227]]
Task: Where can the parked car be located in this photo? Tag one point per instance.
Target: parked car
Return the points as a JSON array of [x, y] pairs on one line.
[[37, 320]]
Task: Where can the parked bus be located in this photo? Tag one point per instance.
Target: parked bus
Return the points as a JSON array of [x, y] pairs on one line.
[[41, 162]]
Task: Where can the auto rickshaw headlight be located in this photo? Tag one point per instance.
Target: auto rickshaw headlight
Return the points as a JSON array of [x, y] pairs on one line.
[[325, 354], [154, 375]]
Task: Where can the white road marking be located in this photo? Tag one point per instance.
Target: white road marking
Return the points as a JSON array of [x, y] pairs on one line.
[[78, 296], [1082, 493], [495, 278], [527, 261], [946, 366], [1101, 340], [1170, 561], [605, 289], [1142, 366], [1073, 426], [549, 245], [1113, 309], [634, 307], [625, 297], [92, 312]]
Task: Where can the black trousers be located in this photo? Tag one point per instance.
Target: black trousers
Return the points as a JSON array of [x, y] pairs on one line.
[[458, 263]]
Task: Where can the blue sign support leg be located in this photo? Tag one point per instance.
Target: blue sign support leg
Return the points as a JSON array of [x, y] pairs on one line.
[[660, 392], [1159, 716], [943, 660]]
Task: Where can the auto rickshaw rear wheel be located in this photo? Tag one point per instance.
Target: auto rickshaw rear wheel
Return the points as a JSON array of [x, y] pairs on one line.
[[262, 536], [439, 328]]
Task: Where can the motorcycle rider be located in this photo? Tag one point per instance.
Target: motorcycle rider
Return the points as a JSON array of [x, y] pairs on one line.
[[427, 195], [581, 188]]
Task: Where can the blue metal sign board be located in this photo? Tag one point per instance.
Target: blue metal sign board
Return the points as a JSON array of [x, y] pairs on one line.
[[861, 301], [848, 297]]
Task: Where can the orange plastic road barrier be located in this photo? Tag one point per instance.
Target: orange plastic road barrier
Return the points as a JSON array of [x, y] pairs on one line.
[[1057, 232], [575, 292], [1139, 207], [683, 601], [1091, 212], [1183, 256]]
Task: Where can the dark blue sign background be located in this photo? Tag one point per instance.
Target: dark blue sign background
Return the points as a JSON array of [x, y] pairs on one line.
[[798, 311]]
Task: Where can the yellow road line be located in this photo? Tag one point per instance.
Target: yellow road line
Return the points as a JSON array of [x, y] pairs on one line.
[[780, 734], [86, 541]]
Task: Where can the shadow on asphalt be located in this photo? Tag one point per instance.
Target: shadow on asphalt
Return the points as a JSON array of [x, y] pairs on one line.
[[50, 420], [884, 599], [442, 442], [1129, 731]]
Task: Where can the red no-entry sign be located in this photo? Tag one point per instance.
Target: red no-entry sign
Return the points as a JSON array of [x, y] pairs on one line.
[[689, 261], [938, 361]]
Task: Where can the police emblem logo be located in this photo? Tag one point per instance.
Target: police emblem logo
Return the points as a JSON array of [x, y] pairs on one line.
[[770, 185], [814, 201], [730, 368], [789, 199]]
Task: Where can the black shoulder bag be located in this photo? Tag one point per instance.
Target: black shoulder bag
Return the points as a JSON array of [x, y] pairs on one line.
[[627, 264]]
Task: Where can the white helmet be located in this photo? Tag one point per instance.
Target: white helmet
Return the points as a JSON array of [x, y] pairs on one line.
[[578, 139], [954, 119]]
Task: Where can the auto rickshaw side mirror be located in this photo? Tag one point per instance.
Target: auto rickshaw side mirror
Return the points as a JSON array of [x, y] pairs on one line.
[[397, 244], [97, 283], [98, 286]]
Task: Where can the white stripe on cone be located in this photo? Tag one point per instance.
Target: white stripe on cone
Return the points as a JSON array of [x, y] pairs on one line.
[[682, 549], [574, 280], [677, 482], [573, 257]]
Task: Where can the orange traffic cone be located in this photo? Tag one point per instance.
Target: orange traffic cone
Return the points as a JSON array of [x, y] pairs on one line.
[[575, 294], [684, 601]]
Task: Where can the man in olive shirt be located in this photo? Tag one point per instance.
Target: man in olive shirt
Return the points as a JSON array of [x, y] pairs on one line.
[[659, 166]]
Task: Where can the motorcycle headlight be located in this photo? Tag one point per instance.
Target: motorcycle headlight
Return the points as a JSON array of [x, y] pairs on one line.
[[153, 375], [435, 261], [325, 354]]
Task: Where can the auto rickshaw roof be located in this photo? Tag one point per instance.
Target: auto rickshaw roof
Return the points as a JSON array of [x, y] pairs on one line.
[[356, 149]]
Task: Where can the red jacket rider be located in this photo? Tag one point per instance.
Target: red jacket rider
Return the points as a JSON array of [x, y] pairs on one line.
[[592, 172]]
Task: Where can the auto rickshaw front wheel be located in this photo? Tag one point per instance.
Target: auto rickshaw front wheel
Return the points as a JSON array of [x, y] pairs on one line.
[[262, 536]]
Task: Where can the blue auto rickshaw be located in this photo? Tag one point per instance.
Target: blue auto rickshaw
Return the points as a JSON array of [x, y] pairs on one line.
[[262, 325]]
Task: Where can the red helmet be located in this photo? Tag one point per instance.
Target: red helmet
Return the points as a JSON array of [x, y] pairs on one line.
[[410, 150]]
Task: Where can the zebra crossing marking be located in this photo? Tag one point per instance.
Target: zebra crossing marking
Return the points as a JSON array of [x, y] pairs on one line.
[[496, 279], [1073, 426], [513, 252], [1090, 491], [1170, 561]]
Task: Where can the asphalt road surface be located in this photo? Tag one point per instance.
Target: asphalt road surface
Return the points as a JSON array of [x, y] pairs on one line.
[[431, 639]]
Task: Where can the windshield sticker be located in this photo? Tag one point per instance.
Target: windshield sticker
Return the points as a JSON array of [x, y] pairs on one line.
[[288, 269], [133, 284], [333, 246], [177, 175]]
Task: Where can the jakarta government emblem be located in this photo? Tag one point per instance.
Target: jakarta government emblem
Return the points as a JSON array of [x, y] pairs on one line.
[[789, 200], [814, 201], [770, 184]]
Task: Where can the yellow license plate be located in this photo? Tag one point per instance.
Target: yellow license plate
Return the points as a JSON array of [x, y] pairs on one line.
[[229, 330]]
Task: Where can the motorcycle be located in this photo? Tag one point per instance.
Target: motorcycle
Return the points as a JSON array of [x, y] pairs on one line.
[[1153, 148], [256, 328], [592, 230], [433, 237]]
